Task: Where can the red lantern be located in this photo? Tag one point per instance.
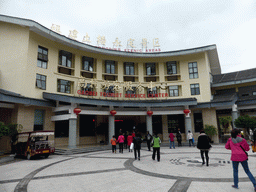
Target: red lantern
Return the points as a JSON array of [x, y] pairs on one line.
[[113, 112], [77, 111], [150, 113], [186, 111]]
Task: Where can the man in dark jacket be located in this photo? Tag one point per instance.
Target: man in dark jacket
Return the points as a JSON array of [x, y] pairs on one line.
[[203, 143], [137, 145]]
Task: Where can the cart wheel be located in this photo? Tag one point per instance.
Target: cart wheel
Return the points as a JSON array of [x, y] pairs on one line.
[[28, 156]]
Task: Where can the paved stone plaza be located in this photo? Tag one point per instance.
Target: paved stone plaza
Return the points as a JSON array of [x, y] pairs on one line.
[[179, 170]]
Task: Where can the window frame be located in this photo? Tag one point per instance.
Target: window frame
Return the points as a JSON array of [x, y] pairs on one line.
[[41, 81], [42, 57], [130, 66], [112, 67], [170, 65], [90, 63], [68, 56], [175, 92], [151, 68], [153, 92], [67, 86], [195, 90], [193, 70]]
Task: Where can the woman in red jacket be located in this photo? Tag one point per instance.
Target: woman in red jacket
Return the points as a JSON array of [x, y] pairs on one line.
[[238, 147], [129, 141]]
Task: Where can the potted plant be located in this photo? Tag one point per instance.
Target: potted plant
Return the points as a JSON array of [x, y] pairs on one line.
[[211, 131]]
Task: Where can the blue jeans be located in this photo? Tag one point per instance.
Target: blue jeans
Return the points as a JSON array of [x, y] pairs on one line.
[[246, 169], [172, 144]]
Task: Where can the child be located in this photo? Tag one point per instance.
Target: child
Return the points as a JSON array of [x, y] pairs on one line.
[[113, 143]]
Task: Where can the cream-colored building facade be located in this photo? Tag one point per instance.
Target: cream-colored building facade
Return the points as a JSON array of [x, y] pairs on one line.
[[43, 75]]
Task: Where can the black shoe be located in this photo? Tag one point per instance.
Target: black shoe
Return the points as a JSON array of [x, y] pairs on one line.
[[139, 159]]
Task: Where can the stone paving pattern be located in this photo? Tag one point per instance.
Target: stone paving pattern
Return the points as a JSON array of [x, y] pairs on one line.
[[96, 169]]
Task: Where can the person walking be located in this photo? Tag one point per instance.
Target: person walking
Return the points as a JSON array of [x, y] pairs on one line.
[[238, 147], [179, 138], [120, 140], [137, 145], [129, 141], [203, 144], [149, 139], [156, 141], [171, 136], [190, 139], [113, 143]]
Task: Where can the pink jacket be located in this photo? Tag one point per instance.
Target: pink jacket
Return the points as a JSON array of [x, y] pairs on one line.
[[120, 139], [129, 140], [172, 136], [237, 153]]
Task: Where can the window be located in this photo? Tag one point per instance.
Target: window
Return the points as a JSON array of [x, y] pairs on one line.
[[39, 120], [152, 92], [129, 68], [131, 93], [195, 89], [87, 90], [87, 64], [110, 67], [151, 68], [176, 122], [193, 72], [42, 57], [62, 128], [64, 86], [65, 59], [171, 67], [173, 91], [109, 92], [87, 125], [40, 81], [198, 121]]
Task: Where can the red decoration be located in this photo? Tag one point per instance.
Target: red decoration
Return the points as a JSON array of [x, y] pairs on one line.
[[186, 111], [150, 113], [77, 111], [113, 112]]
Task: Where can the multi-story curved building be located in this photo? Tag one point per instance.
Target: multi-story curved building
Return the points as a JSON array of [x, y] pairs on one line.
[[44, 76]]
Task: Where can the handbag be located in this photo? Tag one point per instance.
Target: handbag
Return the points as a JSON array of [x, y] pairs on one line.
[[131, 146], [244, 151]]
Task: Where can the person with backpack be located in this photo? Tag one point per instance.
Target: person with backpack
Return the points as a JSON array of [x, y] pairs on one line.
[[238, 147], [113, 143], [156, 141], [137, 145]]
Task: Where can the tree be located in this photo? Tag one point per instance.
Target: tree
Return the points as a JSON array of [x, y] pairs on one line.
[[246, 122], [10, 129], [225, 122], [210, 130]]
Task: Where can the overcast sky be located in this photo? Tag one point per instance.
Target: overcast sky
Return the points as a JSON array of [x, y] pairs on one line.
[[179, 24]]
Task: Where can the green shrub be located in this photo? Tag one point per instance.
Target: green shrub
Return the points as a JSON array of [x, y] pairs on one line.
[[210, 130]]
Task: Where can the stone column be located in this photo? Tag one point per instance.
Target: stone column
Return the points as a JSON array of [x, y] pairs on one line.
[[149, 124], [188, 123], [235, 115], [111, 125], [72, 133], [72, 127]]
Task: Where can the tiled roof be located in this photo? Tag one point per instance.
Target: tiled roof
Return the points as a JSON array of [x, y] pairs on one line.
[[235, 76]]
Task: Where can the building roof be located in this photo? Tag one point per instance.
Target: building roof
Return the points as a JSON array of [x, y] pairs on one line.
[[47, 33], [232, 78], [11, 97], [120, 103]]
